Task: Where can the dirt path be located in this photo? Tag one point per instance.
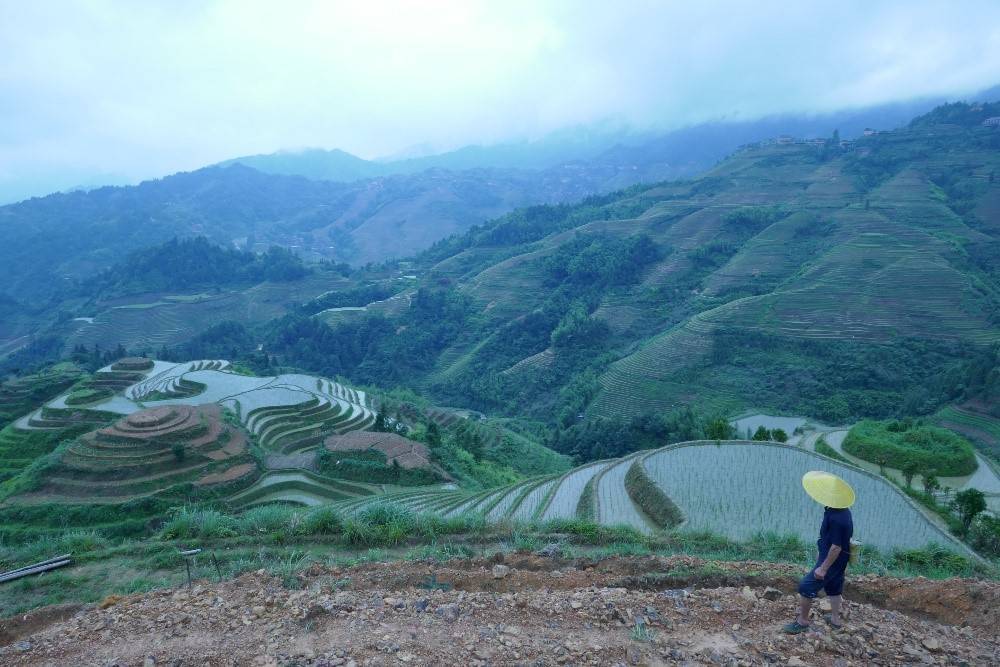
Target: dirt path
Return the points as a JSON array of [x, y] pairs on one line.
[[526, 610]]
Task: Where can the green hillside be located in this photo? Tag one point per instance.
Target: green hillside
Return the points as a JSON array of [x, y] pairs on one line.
[[841, 282]]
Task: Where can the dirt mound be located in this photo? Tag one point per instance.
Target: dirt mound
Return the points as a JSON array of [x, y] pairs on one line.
[[228, 475], [523, 610], [397, 449]]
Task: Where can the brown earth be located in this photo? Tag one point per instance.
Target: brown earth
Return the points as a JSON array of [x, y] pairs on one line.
[[522, 609], [228, 475], [406, 453], [397, 449]]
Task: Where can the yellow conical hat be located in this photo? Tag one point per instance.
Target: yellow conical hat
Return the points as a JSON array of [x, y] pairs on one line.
[[828, 489]]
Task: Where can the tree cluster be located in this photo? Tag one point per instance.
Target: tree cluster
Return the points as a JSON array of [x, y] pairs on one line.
[[183, 265]]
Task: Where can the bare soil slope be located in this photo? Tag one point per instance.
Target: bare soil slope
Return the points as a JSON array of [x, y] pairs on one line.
[[527, 609]]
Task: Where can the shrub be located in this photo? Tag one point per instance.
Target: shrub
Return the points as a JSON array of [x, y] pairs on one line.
[[268, 519], [985, 535], [927, 448], [379, 525], [648, 495], [187, 523], [322, 520], [934, 556], [970, 503]]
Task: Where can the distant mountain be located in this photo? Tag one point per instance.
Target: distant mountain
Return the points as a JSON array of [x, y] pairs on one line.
[[838, 282], [330, 204], [47, 242], [315, 163], [641, 156], [336, 165]]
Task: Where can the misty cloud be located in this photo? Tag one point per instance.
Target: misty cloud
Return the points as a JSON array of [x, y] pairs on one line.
[[123, 90]]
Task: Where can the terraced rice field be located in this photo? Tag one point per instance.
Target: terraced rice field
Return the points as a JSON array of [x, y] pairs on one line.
[[288, 413], [170, 429], [737, 488], [979, 427], [299, 487], [741, 489], [147, 452], [173, 319], [532, 503], [569, 487], [614, 506], [19, 395]]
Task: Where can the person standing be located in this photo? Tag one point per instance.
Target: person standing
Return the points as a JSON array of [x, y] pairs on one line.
[[833, 546]]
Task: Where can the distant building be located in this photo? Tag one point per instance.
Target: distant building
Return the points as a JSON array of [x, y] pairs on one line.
[[869, 131], [993, 121], [846, 144], [784, 139], [818, 142]]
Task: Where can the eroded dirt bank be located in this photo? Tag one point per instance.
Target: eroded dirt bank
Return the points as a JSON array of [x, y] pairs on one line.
[[526, 609]]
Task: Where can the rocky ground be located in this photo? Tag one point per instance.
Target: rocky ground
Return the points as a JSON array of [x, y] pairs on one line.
[[518, 609]]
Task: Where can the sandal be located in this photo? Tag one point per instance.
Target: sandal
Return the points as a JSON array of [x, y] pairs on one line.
[[829, 621], [795, 628]]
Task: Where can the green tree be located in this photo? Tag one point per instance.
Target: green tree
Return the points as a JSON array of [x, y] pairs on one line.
[[931, 483], [719, 429], [433, 434], [985, 535], [909, 470], [779, 435], [178, 450], [474, 445], [469, 439], [970, 504], [379, 425], [761, 434]]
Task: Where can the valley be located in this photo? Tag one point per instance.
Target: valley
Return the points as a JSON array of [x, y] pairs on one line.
[[611, 378]]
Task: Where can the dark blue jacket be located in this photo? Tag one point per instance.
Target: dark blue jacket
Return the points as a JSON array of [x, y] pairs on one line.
[[837, 528]]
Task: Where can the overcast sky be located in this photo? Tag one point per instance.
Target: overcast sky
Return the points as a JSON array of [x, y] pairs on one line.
[[106, 90]]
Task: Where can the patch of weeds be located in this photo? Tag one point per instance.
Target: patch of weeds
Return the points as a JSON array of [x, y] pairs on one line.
[[168, 558], [431, 583], [323, 520], [138, 585], [190, 523], [441, 552], [642, 632], [268, 519], [625, 549], [76, 542], [380, 525]]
